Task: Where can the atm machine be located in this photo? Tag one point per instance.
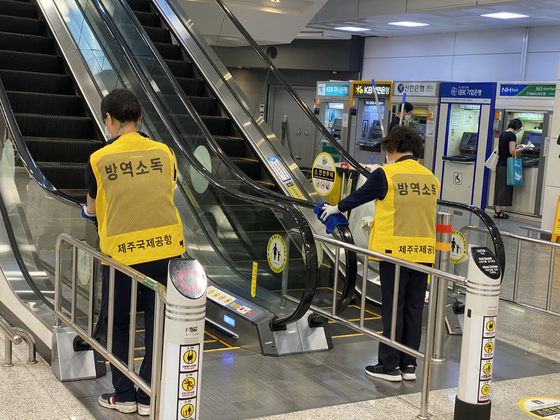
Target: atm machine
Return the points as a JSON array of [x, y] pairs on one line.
[[333, 105], [533, 104], [464, 141], [364, 142], [424, 96]]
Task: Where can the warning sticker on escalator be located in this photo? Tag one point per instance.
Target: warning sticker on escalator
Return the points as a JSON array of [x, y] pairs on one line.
[[276, 253], [323, 174], [540, 407]]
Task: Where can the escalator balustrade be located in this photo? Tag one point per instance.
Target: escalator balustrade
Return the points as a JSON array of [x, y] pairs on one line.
[[200, 95], [51, 116]]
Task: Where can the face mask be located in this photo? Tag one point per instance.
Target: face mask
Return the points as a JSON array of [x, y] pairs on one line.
[[107, 132], [407, 117], [389, 161]]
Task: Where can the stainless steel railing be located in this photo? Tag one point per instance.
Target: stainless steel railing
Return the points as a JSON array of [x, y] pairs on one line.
[[436, 276], [520, 241], [15, 335], [69, 316]]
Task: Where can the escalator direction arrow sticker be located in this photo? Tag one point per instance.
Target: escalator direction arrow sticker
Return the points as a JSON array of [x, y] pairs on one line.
[[254, 279], [276, 253]]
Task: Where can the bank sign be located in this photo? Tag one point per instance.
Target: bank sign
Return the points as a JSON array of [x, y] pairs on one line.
[[327, 89], [528, 90], [478, 93], [415, 88]]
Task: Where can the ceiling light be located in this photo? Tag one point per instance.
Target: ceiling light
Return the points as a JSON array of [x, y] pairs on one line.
[[275, 1], [409, 24], [505, 15], [351, 29]]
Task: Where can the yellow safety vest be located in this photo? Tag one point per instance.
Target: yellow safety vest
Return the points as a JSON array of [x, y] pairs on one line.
[[138, 221], [405, 220]]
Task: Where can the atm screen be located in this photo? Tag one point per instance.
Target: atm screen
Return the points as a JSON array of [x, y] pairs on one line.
[[468, 143], [420, 128], [534, 138]]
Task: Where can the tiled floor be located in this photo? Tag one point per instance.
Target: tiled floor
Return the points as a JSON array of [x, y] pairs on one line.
[[339, 391]]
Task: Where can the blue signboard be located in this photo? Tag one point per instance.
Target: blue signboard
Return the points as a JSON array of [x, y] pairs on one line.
[[482, 93]]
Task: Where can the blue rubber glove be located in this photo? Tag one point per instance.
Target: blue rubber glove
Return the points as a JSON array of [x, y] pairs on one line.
[[86, 215]]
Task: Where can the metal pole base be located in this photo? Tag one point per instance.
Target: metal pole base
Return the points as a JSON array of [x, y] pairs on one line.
[[441, 359], [468, 411]]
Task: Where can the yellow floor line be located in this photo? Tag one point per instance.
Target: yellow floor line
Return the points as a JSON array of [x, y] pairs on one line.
[[216, 338], [229, 348], [347, 335]]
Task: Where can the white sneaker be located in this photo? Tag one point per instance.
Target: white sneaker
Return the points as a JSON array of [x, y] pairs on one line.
[[409, 373], [143, 409]]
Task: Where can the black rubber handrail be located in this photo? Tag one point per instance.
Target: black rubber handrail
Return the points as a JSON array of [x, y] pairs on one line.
[[309, 245], [493, 230], [344, 232], [19, 143]]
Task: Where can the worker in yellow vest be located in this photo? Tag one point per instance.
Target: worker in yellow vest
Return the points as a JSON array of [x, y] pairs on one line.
[[130, 186], [404, 227]]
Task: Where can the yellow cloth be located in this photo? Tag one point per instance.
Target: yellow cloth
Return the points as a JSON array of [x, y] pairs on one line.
[[405, 220], [138, 221]]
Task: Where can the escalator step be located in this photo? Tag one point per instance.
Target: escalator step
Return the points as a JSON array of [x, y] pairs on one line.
[[158, 34], [78, 195], [250, 167], [37, 82], [45, 103], [218, 126], [139, 5], [232, 146], [180, 68], [169, 51], [33, 125], [14, 60], [67, 176], [148, 19], [191, 87], [205, 106], [61, 150], [26, 43], [18, 8], [22, 25]]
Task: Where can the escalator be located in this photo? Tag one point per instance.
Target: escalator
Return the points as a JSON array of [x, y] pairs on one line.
[[200, 94], [227, 228], [52, 117], [182, 41]]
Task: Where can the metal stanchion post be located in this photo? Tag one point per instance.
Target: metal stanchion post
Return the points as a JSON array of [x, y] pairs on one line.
[[183, 340], [444, 228], [477, 350]]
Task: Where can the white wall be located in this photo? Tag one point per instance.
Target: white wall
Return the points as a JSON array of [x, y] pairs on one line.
[[481, 56]]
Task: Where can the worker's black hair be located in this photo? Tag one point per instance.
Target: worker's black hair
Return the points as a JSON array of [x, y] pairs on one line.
[[516, 124], [403, 139], [408, 107], [122, 105]]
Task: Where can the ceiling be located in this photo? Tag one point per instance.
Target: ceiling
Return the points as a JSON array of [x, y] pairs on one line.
[[281, 22], [375, 15]]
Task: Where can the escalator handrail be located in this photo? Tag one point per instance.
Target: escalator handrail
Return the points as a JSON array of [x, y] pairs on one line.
[[26, 158], [17, 138], [344, 233], [214, 146], [493, 230], [320, 127], [309, 247]]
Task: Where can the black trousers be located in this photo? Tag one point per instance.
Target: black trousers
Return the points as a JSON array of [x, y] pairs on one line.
[[157, 270], [412, 292]]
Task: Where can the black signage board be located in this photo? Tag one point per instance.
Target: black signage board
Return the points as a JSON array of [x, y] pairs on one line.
[[486, 262]]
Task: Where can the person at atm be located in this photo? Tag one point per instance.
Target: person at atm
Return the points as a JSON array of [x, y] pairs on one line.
[[404, 227], [407, 113], [506, 147]]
